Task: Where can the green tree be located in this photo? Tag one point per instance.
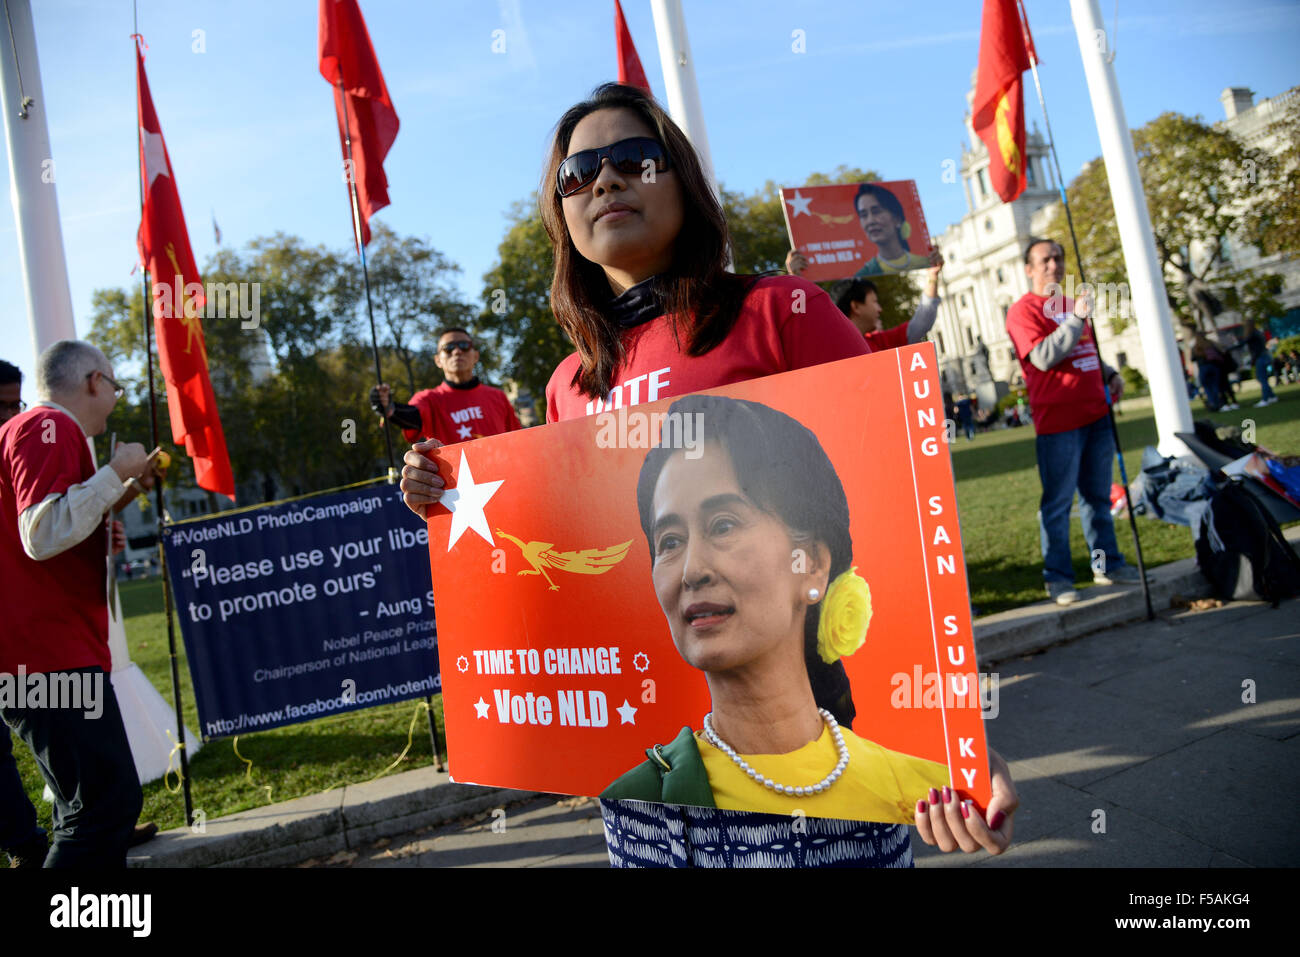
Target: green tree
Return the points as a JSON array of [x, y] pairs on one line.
[[515, 321], [1204, 193], [413, 298], [1281, 180]]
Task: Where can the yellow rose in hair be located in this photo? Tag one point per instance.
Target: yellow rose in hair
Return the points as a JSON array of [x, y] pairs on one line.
[[846, 613]]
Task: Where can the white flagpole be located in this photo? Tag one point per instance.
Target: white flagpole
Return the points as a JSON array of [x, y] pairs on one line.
[[31, 182], [679, 80], [1146, 281]]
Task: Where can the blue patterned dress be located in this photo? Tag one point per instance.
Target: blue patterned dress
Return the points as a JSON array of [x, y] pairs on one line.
[[638, 834]]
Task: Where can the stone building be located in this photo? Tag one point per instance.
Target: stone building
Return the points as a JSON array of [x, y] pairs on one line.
[[984, 252]]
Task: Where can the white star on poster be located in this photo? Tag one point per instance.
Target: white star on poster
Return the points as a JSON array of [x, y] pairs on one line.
[[799, 204], [466, 502], [481, 707], [155, 157], [627, 713], [464, 431]]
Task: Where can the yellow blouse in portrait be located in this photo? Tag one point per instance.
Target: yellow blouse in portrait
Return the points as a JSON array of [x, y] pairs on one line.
[[878, 784]]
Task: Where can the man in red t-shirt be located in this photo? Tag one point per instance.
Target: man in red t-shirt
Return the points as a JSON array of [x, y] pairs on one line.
[[54, 654], [460, 409], [1074, 445]]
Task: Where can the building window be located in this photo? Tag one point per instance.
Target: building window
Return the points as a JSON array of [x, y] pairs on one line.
[[1005, 307], [984, 183], [963, 300], [1122, 359], [939, 336], [1002, 276], [1029, 173], [988, 224], [970, 337]]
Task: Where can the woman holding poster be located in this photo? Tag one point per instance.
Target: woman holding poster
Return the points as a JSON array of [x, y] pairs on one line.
[[641, 287], [883, 220], [767, 631]]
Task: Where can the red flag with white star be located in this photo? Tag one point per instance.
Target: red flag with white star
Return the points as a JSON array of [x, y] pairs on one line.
[[178, 304]]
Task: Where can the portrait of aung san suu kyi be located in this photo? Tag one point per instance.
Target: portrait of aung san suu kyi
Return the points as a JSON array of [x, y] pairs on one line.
[[752, 564]]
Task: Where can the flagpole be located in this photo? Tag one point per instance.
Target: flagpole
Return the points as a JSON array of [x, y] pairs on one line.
[[158, 482], [346, 129], [1101, 370]]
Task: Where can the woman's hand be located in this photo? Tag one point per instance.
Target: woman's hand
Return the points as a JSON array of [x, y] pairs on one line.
[[119, 537], [421, 484], [932, 272], [948, 824], [795, 262]]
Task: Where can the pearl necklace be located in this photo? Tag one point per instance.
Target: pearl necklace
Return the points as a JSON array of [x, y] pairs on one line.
[[800, 791]]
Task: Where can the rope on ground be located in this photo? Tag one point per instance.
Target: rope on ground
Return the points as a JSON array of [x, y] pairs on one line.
[[248, 772], [176, 746], [410, 740]]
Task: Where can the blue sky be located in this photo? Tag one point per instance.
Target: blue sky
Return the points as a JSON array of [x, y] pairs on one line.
[[250, 126]]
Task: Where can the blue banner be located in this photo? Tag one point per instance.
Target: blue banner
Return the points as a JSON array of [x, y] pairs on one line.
[[308, 608]]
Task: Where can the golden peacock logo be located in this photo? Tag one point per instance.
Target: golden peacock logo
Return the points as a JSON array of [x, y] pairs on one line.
[[1006, 138], [587, 561], [190, 322]]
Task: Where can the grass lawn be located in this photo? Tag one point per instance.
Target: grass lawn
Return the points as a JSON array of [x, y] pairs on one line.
[[997, 494]]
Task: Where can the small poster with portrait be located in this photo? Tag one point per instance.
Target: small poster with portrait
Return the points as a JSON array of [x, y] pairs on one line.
[[740, 598], [857, 230]]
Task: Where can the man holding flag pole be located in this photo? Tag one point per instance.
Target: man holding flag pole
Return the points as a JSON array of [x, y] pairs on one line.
[[368, 126], [1070, 388]]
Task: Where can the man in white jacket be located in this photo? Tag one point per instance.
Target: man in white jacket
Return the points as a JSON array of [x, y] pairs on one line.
[[54, 548]]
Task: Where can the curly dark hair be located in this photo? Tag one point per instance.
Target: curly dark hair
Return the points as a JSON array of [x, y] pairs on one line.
[[783, 469], [698, 292]]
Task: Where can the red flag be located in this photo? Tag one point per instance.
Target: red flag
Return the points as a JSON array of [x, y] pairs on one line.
[[629, 64], [347, 58], [998, 112], [178, 304]]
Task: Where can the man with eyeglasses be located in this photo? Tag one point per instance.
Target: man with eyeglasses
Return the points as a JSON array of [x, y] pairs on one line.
[[461, 408], [54, 546]]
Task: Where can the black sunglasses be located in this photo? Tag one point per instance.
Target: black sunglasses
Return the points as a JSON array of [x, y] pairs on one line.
[[628, 156], [464, 345]]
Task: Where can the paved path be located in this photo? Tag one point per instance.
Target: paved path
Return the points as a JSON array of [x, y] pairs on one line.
[[1140, 730], [1130, 745]]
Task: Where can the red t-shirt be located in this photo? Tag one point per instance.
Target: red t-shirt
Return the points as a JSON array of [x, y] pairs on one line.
[[455, 415], [1068, 395], [894, 338], [56, 611], [777, 330]]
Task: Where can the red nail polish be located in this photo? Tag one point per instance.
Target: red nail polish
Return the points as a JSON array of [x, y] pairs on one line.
[[934, 796], [965, 808], [947, 794], [996, 820], [921, 807]]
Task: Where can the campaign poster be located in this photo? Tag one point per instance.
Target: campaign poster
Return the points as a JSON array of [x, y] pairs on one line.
[[857, 230], [302, 609], [647, 602]]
